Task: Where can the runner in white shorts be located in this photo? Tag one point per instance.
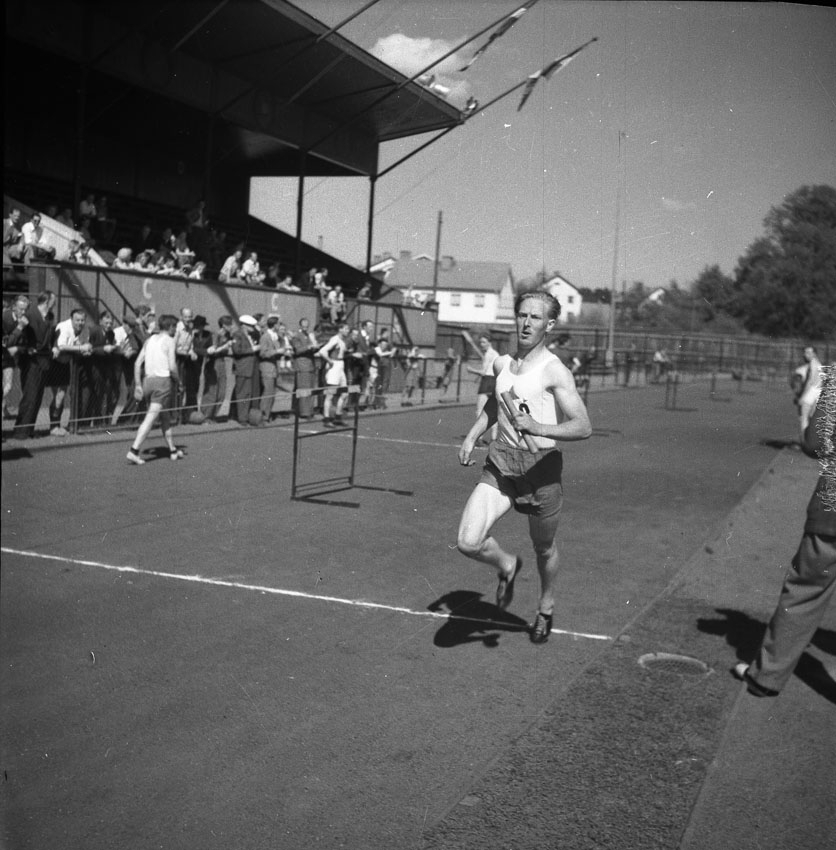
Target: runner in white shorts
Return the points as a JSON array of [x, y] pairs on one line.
[[333, 352]]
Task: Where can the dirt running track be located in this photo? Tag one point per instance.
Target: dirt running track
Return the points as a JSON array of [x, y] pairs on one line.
[[301, 694]]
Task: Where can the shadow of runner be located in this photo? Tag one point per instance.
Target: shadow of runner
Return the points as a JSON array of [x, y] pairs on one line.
[[744, 634], [473, 620]]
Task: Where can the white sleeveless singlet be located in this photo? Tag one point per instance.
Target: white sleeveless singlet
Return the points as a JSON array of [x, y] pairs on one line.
[[529, 390]]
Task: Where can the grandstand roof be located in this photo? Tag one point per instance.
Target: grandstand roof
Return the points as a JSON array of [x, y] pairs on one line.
[[281, 78]]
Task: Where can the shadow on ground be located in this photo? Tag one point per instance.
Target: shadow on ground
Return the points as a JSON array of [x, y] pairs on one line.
[[473, 620], [744, 634]]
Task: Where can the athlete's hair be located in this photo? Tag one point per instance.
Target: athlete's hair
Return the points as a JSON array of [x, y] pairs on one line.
[[551, 304], [167, 322]]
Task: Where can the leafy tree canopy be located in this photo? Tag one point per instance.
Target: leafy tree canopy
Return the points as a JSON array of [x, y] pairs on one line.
[[785, 283]]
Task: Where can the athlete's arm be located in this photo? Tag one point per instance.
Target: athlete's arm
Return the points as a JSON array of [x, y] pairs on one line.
[[484, 421]]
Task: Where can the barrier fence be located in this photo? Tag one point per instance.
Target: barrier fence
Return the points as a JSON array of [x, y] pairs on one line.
[[99, 395]]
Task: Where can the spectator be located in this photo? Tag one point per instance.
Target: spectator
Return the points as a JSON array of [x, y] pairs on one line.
[[105, 223], [333, 352], [245, 348], [83, 256], [365, 343], [166, 246], [13, 248], [365, 292], [286, 358], [661, 363], [271, 348], [450, 363], [811, 388], [124, 259], [561, 350], [188, 367], [87, 212], [198, 271], [196, 216], [70, 254], [14, 325], [104, 370], [271, 281], [224, 366], [356, 360], [286, 284], [182, 253], [305, 346], [251, 273], [71, 344], [66, 218], [145, 241], [169, 268], [631, 357], [336, 304], [412, 376], [130, 337], [34, 246], [487, 381], [320, 285], [212, 378], [231, 267], [34, 360]]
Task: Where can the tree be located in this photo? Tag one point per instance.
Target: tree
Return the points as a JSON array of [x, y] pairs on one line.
[[785, 283], [714, 293]]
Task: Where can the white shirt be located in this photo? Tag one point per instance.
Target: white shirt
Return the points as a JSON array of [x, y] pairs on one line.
[[159, 353]]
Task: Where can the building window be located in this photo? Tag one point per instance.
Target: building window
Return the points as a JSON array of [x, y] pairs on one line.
[[455, 299], [479, 300], [570, 299]]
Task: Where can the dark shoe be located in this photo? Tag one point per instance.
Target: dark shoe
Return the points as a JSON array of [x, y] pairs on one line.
[[741, 671], [541, 628], [505, 588], [339, 423], [328, 423]]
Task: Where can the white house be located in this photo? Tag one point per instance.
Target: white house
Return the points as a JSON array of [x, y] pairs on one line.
[[567, 295], [467, 291]]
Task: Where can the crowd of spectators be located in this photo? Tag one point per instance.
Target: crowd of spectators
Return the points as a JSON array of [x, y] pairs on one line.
[[193, 248], [245, 368]]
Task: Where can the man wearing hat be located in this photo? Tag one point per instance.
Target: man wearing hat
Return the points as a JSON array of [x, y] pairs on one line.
[[245, 348]]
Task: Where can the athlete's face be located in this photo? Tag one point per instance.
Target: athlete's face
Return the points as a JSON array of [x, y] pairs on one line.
[[532, 323]]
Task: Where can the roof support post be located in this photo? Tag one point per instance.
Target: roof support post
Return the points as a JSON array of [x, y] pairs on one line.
[[300, 206], [370, 225]]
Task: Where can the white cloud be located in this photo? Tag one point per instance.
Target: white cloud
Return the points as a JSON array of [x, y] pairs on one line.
[[411, 55]]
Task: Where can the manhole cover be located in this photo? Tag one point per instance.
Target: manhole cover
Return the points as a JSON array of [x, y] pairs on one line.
[[666, 662]]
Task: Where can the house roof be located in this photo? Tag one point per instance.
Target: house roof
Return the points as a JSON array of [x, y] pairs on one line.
[[453, 275]]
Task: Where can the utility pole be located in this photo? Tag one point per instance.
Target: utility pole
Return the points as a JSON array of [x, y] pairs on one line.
[[609, 358], [437, 258]]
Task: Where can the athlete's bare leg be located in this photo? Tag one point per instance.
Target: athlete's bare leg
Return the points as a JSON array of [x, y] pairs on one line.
[[484, 507], [543, 535]]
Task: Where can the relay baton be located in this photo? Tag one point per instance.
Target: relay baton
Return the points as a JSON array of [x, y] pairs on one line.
[[508, 400]]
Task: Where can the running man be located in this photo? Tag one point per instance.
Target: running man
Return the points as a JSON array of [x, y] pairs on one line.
[[524, 466], [159, 357]]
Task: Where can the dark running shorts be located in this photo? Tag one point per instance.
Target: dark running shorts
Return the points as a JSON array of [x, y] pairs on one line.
[[157, 390], [532, 481], [487, 384]]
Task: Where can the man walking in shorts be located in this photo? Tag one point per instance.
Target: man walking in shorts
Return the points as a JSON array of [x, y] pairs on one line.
[[159, 358], [524, 466]]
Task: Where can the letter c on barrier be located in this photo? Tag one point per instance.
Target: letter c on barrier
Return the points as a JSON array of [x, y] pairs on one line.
[[274, 303], [146, 288]]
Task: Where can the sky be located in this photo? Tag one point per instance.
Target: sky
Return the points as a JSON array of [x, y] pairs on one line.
[[707, 114]]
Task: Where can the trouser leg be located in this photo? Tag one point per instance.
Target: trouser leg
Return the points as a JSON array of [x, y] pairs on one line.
[[807, 590]]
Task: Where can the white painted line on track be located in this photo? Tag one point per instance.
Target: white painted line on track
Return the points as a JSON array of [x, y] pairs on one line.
[[357, 603]]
